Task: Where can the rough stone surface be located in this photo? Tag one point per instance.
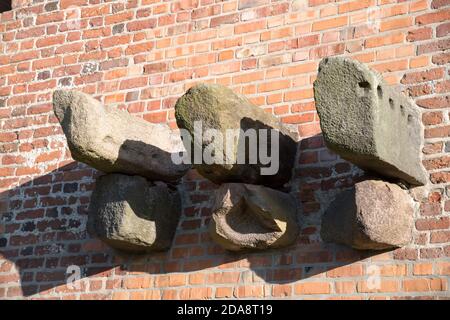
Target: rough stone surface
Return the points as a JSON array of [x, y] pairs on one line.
[[366, 122], [218, 107], [112, 140], [373, 215], [253, 217], [132, 214]]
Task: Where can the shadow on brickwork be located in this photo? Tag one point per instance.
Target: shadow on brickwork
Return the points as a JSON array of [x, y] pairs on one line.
[[44, 230]]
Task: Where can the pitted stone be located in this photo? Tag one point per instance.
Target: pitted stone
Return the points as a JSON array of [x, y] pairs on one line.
[[367, 122], [132, 214]]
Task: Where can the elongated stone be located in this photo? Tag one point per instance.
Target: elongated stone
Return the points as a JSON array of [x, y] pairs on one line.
[[374, 215], [253, 217], [112, 140], [219, 108], [132, 214], [367, 122]]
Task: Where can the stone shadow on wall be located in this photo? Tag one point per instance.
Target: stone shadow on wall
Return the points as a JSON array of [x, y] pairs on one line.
[[44, 232], [42, 224]]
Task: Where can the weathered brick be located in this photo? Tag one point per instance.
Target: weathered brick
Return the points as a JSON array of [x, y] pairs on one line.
[[433, 223], [227, 19], [422, 76], [420, 34]]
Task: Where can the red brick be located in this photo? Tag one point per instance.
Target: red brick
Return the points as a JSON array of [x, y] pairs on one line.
[[227, 19], [49, 18], [118, 17], [195, 293], [250, 27], [440, 177], [244, 4], [434, 103], [433, 223], [306, 41], [346, 271], [440, 237], [282, 290], [443, 29], [435, 46], [395, 24], [45, 157], [133, 83], [21, 78], [46, 63], [438, 16], [50, 41], [422, 76], [249, 291], [308, 288], [274, 85], [330, 23], [141, 24], [443, 268], [30, 33], [382, 286], [224, 292], [8, 136], [443, 86], [420, 34], [345, 287], [384, 40], [430, 209], [432, 148], [155, 67], [436, 4]]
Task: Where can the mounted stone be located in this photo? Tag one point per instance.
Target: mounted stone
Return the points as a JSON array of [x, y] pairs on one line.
[[373, 215], [132, 214], [253, 217], [112, 140], [217, 107], [367, 122]]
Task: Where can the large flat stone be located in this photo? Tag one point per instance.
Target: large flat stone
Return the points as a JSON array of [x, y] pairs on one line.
[[253, 217], [367, 122], [132, 214], [112, 140], [374, 215], [218, 107]]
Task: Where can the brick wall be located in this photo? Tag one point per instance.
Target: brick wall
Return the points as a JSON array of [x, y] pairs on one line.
[[141, 55]]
